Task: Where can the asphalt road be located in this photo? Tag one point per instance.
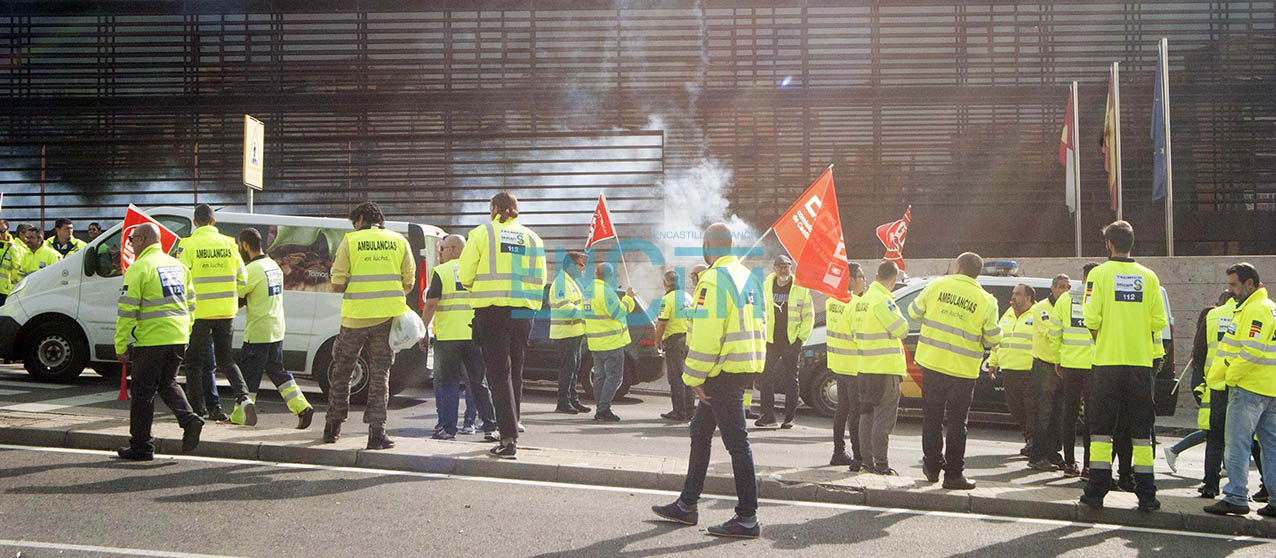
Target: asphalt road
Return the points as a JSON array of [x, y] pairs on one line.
[[992, 451], [70, 503]]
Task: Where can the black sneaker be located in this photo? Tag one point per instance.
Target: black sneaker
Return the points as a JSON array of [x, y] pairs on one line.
[[606, 416], [1149, 505], [304, 417], [135, 454], [932, 475], [1208, 491], [190, 435], [566, 410], [1041, 465], [765, 422], [218, 415], [1126, 484], [505, 451], [959, 482], [787, 424], [1267, 511], [750, 415], [888, 472], [733, 528], [671, 415], [671, 512], [1223, 507], [377, 440], [579, 407]]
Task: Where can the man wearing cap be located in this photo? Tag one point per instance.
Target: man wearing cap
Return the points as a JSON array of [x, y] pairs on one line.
[[790, 315]]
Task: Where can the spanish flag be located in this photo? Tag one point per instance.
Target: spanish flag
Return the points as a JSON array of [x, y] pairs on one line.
[[1111, 142]]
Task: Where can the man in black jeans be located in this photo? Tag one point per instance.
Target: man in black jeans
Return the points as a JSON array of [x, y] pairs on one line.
[[790, 318]]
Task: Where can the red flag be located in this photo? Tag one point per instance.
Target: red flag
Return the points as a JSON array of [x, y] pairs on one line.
[[811, 230], [892, 236], [600, 227], [132, 219]]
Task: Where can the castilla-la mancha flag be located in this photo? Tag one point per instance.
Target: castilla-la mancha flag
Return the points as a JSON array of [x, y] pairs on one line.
[[132, 219], [600, 227], [892, 236], [811, 230]]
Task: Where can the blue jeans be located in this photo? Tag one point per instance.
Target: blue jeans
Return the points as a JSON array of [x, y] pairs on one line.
[[684, 401], [1190, 441], [609, 370], [1248, 413], [726, 413], [457, 362], [568, 367]]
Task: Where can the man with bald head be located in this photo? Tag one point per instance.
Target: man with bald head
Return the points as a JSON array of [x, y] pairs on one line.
[[607, 334], [959, 320], [456, 357], [155, 305], [726, 350]]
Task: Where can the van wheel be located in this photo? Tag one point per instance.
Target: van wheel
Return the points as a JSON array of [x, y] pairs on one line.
[[358, 377], [822, 393], [56, 352]]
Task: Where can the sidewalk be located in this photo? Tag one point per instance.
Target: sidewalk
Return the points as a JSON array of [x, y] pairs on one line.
[[1049, 500]]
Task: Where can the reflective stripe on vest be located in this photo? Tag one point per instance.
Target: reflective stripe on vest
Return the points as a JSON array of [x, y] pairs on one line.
[[453, 315]]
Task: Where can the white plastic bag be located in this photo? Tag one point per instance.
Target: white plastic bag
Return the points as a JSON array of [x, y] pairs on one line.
[[406, 331]]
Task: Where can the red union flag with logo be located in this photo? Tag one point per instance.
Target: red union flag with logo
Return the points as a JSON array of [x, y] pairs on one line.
[[892, 236], [132, 219], [600, 227], [811, 230]]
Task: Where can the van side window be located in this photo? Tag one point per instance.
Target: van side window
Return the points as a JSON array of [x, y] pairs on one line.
[[107, 251]]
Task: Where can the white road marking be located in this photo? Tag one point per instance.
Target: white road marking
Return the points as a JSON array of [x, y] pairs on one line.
[[106, 549], [12, 392], [547, 484], [64, 402], [35, 385]]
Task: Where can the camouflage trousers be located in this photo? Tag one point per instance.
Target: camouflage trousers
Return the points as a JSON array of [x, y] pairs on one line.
[[374, 343]]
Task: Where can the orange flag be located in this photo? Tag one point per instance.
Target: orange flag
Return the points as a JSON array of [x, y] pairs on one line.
[[811, 230]]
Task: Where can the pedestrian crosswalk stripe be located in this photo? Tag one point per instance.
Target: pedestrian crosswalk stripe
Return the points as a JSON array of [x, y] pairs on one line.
[[12, 392], [32, 385], [63, 402]]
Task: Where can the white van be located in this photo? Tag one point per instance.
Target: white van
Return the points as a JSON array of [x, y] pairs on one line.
[[61, 319]]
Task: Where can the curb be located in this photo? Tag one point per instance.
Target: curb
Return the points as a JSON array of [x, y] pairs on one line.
[[645, 472]]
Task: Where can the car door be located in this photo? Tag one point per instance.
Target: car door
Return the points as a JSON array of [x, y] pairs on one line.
[[100, 287]]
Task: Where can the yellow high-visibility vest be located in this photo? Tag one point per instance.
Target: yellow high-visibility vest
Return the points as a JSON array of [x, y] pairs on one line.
[[1123, 303], [216, 269], [1041, 331], [727, 332], [1217, 321], [566, 308], [879, 328], [958, 319], [1015, 350], [1070, 341], [1246, 357], [155, 302], [503, 264], [375, 286], [607, 318], [801, 311], [842, 357], [453, 316]]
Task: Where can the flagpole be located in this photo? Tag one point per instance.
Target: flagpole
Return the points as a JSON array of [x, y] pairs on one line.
[[1165, 117], [1116, 131], [1076, 165]]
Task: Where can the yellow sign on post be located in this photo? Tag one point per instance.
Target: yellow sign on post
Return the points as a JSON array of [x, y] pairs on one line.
[[254, 151]]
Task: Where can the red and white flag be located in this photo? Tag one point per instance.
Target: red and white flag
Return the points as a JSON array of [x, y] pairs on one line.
[[600, 227], [811, 230], [132, 219], [892, 236], [1067, 158]]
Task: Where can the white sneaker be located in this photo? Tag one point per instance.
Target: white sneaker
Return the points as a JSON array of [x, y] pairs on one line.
[[468, 429], [522, 428], [1170, 457]]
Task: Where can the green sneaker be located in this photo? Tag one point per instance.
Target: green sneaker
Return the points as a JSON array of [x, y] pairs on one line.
[[245, 413]]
